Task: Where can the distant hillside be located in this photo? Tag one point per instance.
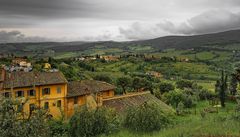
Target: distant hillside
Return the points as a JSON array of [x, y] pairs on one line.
[[183, 42], [176, 42]]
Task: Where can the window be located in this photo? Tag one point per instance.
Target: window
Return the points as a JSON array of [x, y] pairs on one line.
[[7, 94], [59, 90], [46, 105], [19, 94], [59, 103], [75, 100], [31, 93], [31, 107], [46, 91]]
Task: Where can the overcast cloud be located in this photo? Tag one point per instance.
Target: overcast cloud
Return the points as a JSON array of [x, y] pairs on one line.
[[113, 20]]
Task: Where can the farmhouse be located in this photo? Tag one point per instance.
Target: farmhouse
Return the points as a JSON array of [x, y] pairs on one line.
[[110, 58], [51, 91], [87, 92], [154, 74]]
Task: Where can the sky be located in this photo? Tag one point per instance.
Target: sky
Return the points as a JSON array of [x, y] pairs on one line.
[[118, 20]]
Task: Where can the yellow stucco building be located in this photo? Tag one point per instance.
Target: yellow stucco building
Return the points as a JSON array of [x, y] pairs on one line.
[[51, 91]]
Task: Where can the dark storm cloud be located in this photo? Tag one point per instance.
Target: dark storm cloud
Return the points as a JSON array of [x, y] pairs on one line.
[[17, 36], [207, 22], [44, 8], [84, 16]]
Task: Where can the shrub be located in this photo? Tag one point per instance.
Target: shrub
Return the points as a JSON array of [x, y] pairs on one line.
[[58, 128], [174, 97], [166, 87], [103, 78], [190, 101], [180, 109], [236, 114], [205, 94], [89, 123], [147, 117], [181, 84]]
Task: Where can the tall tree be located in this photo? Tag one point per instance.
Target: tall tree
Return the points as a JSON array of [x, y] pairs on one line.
[[223, 88], [124, 83]]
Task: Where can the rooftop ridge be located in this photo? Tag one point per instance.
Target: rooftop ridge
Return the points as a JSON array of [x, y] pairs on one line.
[[127, 95]]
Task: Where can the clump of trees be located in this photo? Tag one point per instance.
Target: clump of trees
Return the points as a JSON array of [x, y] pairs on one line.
[[185, 95], [128, 84], [146, 118], [166, 87], [103, 78], [181, 84], [89, 123]]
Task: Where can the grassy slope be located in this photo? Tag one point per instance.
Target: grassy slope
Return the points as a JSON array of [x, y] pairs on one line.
[[193, 125]]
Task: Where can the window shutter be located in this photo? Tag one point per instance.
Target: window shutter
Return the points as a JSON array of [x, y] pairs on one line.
[[28, 92], [42, 92]]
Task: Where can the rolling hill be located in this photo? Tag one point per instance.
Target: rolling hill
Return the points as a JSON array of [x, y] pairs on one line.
[[168, 42]]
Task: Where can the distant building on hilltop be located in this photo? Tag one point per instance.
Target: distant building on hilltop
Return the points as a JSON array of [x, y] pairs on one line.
[[154, 74], [47, 66], [110, 58]]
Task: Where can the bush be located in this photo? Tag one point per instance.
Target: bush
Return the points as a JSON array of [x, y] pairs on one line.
[[89, 123], [58, 128], [236, 114], [205, 94], [166, 87], [190, 101], [147, 117], [181, 84], [174, 97], [103, 78]]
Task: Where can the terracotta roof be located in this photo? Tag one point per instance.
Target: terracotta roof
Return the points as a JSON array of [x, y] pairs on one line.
[[121, 104], [27, 79], [78, 88]]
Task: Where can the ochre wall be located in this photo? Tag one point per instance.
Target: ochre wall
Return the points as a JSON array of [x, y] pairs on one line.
[[67, 104], [71, 107], [39, 99], [107, 94]]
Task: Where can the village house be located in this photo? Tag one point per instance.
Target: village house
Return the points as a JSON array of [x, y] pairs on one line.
[[19, 64], [80, 59], [154, 74], [88, 92], [24, 64], [17, 60], [110, 58], [36, 90], [51, 91], [47, 66]]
